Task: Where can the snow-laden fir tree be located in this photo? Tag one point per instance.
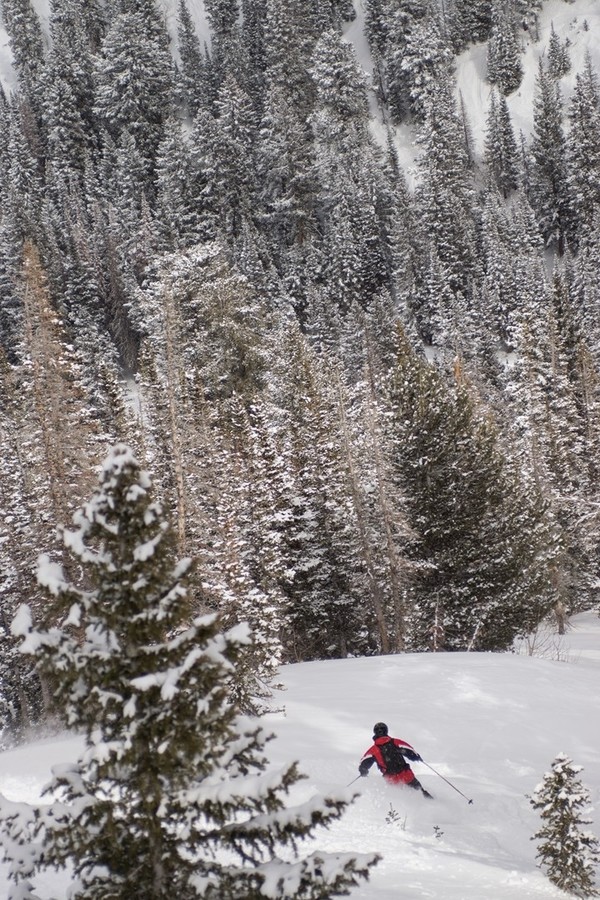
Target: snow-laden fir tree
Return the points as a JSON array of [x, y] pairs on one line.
[[568, 852], [559, 63], [483, 549], [501, 154], [504, 63], [168, 797], [549, 191]]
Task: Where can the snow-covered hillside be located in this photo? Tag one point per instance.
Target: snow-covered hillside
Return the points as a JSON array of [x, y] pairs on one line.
[[577, 21], [490, 723]]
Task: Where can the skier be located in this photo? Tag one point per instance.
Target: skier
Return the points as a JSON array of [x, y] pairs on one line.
[[391, 754]]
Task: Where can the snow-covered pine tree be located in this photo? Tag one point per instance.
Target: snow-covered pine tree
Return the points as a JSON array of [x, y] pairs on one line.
[[559, 62], [501, 154], [470, 20], [583, 149], [26, 42], [191, 62], [168, 797], [445, 197], [416, 74], [549, 191], [566, 851], [504, 61], [139, 105], [483, 547]]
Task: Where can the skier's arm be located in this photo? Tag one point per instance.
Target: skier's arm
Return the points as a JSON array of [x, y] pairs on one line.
[[365, 765], [407, 751], [411, 754]]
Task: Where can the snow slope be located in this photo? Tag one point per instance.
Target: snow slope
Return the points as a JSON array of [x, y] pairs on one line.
[[491, 723], [577, 21]]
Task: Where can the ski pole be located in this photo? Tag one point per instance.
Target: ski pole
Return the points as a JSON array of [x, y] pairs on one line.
[[446, 780], [354, 779]]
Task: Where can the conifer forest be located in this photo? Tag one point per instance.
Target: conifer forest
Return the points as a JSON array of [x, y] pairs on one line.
[[368, 397]]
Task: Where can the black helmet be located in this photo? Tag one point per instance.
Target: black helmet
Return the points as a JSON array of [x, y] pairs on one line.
[[380, 729]]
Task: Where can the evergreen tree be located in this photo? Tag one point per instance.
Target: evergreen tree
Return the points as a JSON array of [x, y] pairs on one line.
[[559, 63], [235, 134], [416, 75], [567, 852], [21, 703], [445, 197], [162, 785], [289, 41], [191, 68], [254, 14], [353, 264], [501, 152], [484, 549], [325, 618], [504, 63], [76, 28], [549, 184], [287, 185], [471, 21], [137, 105], [67, 139], [222, 17], [545, 391], [583, 149], [179, 201], [27, 44]]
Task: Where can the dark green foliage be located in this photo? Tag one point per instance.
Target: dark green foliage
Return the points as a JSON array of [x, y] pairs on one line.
[[26, 42], [193, 82], [222, 16], [445, 197], [567, 852], [482, 549]]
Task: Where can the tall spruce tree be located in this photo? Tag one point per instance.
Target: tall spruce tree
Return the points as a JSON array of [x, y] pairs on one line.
[[191, 68], [501, 152], [559, 63], [504, 64], [583, 149], [470, 21], [445, 196], [482, 539], [171, 777], [27, 44], [139, 104], [549, 188]]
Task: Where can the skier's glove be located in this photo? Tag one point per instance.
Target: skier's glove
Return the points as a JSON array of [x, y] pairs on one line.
[[411, 754]]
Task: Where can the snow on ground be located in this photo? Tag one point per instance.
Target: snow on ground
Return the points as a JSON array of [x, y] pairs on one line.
[[490, 723], [577, 21]]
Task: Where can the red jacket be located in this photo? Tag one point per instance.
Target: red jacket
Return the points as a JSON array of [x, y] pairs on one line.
[[374, 755]]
